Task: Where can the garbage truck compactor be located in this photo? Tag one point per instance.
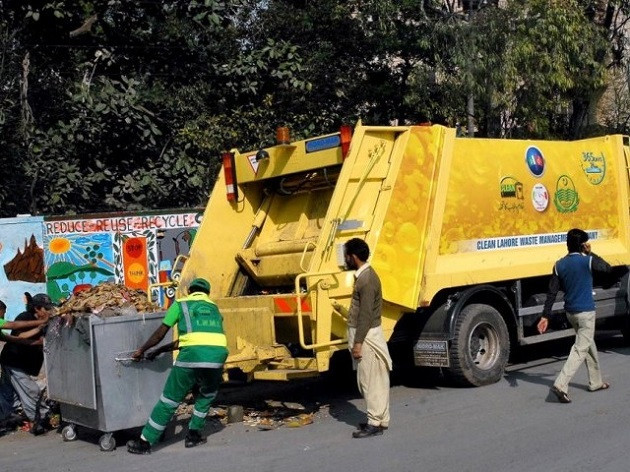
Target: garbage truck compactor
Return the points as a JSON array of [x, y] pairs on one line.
[[463, 232]]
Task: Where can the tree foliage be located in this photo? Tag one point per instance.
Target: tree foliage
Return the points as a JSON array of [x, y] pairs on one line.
[[118, 105]]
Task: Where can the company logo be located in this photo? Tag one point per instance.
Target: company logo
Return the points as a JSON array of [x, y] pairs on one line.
[[594, 167], [566, 198], [511, 188], [535, 161], [540, 197], [511, 194]]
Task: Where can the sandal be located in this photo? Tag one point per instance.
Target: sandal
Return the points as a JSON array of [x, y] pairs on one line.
[[604, 386], [562, 396]]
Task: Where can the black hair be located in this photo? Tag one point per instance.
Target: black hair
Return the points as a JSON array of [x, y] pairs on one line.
[[196, 288], [3, 306], [29, 302], [359, 248], [575, 238]]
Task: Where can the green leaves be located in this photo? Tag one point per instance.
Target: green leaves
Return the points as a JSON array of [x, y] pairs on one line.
[[133, 111]]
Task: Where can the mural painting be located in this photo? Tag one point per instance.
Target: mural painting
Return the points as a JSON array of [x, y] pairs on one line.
[[171, 243], [77, 262], [136, 250], [22, 261]]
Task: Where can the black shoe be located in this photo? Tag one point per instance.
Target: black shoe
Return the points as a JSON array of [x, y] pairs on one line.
[[42, 426], [38, 429], [562, 396], [364, 425], [139, 446], [368, 431], [194, 438]]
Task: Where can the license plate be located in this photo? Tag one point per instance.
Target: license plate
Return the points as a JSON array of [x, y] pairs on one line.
[[431, 353]]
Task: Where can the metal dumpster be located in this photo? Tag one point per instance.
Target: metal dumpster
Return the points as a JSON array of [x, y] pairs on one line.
[[90, 374]]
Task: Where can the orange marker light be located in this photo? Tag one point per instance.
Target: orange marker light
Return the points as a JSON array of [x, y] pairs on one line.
[[282, 135], [345, 132]]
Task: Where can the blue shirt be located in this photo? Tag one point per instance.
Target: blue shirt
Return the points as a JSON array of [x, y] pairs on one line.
[[574, 275], [576, 279]]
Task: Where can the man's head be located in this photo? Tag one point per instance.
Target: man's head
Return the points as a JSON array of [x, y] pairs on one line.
[[576, 239], [199, 285], [42, 305], [356, 253], [3, 309]]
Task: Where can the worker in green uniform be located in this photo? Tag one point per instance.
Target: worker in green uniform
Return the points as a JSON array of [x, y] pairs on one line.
[[202, 352]]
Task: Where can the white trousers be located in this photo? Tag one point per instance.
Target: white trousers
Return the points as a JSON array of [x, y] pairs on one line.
[[373, 375], [584, 349]]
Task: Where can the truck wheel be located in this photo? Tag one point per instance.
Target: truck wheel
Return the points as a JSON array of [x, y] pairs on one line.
[[625, 327], [480, 348]]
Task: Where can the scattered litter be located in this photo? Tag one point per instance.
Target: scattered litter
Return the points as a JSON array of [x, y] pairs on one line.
[[299, 420]]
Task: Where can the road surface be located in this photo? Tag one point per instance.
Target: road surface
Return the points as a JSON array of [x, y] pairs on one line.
[[513, 425]]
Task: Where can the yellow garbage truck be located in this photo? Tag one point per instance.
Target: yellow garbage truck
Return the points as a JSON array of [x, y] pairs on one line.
[[464, 233]]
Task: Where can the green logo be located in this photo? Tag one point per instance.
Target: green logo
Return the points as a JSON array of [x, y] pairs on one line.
[[511, 188], [566, 197], [594, 167]]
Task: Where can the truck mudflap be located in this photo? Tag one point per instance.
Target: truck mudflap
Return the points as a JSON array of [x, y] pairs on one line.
[[431, 353]]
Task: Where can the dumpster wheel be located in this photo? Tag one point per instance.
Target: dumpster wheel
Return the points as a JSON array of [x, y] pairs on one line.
[[69, 433], [107, 442]]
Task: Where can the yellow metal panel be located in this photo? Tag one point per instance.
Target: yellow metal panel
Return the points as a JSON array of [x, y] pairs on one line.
[[401, 246], [247, 321], [284, 160], [494, 225], [222, 232], [478, 209]]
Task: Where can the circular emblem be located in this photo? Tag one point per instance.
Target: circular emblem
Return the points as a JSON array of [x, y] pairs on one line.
[[535, 161], [136, 273], [594, 167], [566, 198], [133, 247], [540, 197]]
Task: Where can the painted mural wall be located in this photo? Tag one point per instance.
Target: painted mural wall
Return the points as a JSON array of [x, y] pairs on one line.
[[134, 250], [64, 255], [21, 260]]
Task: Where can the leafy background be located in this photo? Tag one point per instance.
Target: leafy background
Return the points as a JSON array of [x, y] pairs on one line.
[[126, 105]]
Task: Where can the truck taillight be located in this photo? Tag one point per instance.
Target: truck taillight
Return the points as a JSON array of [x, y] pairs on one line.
[[345, 132], [230, 176]]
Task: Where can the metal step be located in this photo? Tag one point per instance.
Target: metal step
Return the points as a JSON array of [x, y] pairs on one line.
[[538, 338], [285, 374]]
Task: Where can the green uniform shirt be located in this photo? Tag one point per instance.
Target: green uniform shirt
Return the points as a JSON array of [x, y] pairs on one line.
[[202, 342]]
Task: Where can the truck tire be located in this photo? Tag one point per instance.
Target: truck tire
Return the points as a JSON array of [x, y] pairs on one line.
[[625, 332], [625, 326], [480, 348]]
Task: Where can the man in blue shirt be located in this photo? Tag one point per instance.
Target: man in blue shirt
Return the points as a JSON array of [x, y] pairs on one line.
[[574, 275]]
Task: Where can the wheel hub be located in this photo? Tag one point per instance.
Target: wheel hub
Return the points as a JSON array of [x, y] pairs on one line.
[[484, 346]]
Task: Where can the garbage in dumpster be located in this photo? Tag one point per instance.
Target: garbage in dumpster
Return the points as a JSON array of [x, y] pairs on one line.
[[106, 300]]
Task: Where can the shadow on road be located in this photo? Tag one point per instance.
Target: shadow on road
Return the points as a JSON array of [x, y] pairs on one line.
[[556, 353]]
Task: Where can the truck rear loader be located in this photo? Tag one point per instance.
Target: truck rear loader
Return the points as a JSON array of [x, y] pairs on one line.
[[464, 233]]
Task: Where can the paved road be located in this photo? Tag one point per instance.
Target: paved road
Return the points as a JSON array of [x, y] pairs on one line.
[[514, 425]]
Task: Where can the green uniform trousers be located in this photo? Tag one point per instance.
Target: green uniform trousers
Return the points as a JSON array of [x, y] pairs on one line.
[[180, 381]]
